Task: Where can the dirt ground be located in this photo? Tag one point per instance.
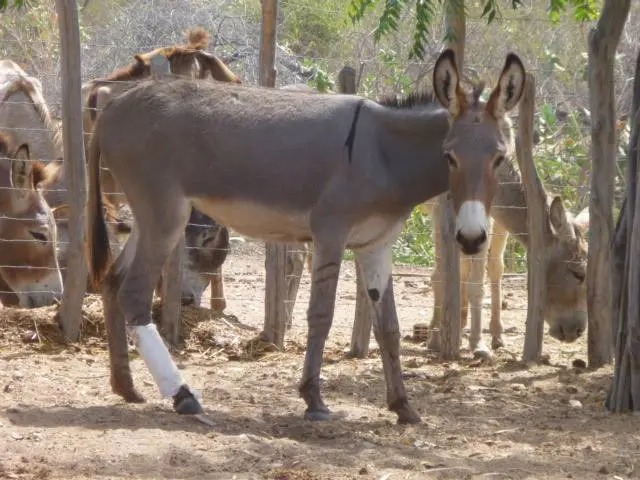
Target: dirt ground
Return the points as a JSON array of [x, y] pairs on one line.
[[59, 419]]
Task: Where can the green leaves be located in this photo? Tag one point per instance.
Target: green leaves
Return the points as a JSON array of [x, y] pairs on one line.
[[584, 10], [425, 10], [4, 4], [425, 14]]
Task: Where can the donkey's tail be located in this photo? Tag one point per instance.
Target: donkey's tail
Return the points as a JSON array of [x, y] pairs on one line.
[[99, 252]]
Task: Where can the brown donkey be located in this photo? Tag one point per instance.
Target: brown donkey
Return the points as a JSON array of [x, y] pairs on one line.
[[207, 242], [336, 170], [28, 259], [190, 60]]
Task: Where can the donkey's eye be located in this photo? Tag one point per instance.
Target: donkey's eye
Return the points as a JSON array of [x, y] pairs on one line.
[[452, 161], [41, 237], [498, 161]]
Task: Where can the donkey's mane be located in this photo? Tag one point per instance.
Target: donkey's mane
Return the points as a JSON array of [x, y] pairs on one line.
[[25, 86], [411, 100]]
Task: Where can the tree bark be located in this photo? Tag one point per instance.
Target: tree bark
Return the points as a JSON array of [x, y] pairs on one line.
[[624, 394], [536, 224], [603, 41]]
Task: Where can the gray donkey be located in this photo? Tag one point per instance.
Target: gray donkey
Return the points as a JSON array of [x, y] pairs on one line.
[[336, 170]]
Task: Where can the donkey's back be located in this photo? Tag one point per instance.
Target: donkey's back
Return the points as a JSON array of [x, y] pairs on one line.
[[211, 138]]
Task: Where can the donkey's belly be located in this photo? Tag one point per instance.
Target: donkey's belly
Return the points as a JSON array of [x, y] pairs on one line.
[[256, 220]]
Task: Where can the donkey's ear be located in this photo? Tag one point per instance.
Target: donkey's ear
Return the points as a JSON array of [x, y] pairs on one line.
[[446, 83], [21, 172], [509, 89], [559, 219]]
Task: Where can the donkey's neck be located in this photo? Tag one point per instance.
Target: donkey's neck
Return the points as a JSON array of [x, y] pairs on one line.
[[510, 204], [411, 147]]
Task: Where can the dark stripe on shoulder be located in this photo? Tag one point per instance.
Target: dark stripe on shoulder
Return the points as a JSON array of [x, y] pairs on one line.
[[352, 131]]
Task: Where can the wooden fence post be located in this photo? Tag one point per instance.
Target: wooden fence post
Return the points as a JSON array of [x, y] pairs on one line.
[[75, 171], [276, 253], [603, 41], [450, 326], [536, 223]]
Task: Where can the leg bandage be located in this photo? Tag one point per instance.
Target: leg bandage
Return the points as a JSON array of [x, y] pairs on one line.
[[157, 358]]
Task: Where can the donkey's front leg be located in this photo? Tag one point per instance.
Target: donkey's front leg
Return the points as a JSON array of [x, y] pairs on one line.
[[376, 271], [324, 282]]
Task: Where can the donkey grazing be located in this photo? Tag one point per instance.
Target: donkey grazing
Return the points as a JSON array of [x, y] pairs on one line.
[[28, 260], [336, 170], [566, 252]]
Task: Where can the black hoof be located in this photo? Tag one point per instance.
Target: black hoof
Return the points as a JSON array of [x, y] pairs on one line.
[[323, 415], [185, 402]]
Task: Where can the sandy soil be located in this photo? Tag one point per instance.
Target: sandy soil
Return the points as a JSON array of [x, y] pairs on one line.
[[59, 419]]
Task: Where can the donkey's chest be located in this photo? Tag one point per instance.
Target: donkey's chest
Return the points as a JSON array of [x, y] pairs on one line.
[[375, 230]]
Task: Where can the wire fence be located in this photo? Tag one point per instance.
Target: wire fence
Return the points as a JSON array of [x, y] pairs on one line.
[[563, 126]]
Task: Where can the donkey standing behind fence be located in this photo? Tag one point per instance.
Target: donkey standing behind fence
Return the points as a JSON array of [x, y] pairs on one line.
[[337, 170], [25, 116], [28, 260], [565, 250]]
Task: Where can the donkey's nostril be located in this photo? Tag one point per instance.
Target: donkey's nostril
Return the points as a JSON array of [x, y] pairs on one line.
[[471, 246]]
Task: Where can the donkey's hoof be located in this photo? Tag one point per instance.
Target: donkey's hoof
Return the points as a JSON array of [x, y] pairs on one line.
[[481, 352], [406, 414], [130, 394], [434, 343], [318, 415], [218, 305], [497, 343], [185, 402]]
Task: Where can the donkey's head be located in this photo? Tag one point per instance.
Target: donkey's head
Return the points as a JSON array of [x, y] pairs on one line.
[[480, 138], [28, 258], [566, 250]]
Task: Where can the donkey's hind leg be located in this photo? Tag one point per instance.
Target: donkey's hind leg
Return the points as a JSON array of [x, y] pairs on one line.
[[376, 267], [121, 380], [157, 237]]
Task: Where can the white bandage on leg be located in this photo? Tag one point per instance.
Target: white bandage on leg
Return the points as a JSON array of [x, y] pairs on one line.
[[157, 358]]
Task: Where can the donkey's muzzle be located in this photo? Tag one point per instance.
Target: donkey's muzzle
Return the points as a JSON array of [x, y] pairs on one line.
[[471, 245], [471, 227]]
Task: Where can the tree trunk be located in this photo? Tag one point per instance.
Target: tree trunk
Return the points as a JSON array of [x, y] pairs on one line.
[[603, 41], [625, 389], [536, 225]]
